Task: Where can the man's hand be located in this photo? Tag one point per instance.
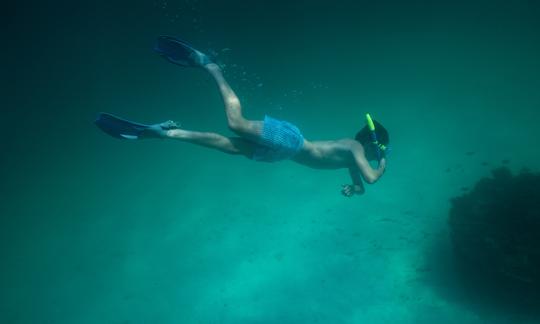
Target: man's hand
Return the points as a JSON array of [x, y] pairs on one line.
[[382, 165], [350, 190]]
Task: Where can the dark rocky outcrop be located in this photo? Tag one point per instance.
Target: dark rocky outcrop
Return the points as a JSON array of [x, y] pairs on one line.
[[495, 231]]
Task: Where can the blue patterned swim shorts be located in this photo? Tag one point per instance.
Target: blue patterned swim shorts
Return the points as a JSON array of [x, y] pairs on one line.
[[279, 140]]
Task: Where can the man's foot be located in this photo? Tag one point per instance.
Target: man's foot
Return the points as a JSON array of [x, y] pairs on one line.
[[159, 130], [212, 66]]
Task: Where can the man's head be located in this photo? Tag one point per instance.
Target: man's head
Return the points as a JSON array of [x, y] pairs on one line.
[[364, 137]]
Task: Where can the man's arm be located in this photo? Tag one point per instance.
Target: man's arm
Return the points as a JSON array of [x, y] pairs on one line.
[[369, 174]]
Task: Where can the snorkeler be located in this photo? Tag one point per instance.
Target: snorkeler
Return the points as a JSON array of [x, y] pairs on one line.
[[268, 140]]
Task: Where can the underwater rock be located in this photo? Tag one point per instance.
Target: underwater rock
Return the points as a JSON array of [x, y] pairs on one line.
[[495, 229]]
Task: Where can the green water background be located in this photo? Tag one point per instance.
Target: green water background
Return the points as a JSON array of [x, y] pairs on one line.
[[97, 230]]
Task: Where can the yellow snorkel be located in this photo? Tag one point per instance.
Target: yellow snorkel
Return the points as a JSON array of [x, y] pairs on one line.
[[380, 147], [370, 123]]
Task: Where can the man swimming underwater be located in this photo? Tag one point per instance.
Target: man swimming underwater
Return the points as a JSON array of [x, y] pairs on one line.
[[269, 140]]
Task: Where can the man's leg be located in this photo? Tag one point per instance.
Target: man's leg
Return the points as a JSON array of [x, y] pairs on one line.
[[248, 129], [230, 145]]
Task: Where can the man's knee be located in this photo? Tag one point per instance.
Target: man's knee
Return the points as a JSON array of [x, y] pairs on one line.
[[233, 102]]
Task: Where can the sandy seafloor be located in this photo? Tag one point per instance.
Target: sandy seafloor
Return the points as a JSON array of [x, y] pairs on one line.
[[97, 230]]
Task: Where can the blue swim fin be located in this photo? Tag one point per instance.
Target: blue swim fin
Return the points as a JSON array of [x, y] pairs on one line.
[[180, 52], [125, 129]]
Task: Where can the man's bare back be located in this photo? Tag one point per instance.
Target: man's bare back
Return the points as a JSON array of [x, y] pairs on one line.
[[327, 154]]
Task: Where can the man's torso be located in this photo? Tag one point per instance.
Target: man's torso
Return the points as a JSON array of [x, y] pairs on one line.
[[327, 154]]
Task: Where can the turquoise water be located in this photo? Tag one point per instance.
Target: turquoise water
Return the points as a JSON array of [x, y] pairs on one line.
[[97, 230]]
